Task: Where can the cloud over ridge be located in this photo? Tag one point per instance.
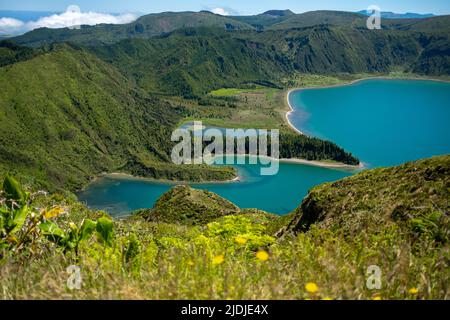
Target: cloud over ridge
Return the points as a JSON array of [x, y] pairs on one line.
[[70, 18]]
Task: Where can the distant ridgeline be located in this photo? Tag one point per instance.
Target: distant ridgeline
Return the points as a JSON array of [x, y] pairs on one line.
[[190, 54]]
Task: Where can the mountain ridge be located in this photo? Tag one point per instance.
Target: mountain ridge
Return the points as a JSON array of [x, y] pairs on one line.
[[156, 24]]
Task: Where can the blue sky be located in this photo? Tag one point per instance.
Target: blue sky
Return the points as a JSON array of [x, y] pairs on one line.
[[230, 6]]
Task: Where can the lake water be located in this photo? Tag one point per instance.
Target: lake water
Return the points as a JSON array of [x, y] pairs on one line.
[[382, 122]]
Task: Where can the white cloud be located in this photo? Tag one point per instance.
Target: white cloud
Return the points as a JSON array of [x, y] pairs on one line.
[[10, 25], [70, 18], [220, 11]]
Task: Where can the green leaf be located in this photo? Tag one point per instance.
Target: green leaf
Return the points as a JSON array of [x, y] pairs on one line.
[[13, 189], [71, 240], [19, 218], [52, 232], [105, 229], [87, 229]]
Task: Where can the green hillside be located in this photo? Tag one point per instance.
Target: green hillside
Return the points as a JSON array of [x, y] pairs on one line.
[[185, 205], [173, 53], [193, 62], [393, 218], [11, 53], [414, 196], [67, 116]]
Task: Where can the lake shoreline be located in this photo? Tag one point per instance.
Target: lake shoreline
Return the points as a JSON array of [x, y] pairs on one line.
[[128, 176], [352, 82], [323, 164], [238, 178]]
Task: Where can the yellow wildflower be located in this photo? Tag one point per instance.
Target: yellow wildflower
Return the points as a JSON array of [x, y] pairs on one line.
[[327, 298], [413, 291], [218, 259], [53, 212], [376, 297], [262, 255], [240, 240], [72, 226], [311, 287]]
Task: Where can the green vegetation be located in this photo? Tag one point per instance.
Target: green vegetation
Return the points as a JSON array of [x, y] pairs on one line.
[[404, 231], [185, 205], [266, 19], [66, 117], [11, 53], [193, 62], [417, 202], [88, 118], [226, 92], [159, 24], [293, 145], [145, 27], [109, 101]]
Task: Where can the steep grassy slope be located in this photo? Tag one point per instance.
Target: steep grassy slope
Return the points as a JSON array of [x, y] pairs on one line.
[[414, 196], [145, 27], [66, 116], [435, 58], [328, 50], [193, 62]]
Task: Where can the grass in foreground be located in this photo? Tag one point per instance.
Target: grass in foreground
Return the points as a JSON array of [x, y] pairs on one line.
[[232, 257]]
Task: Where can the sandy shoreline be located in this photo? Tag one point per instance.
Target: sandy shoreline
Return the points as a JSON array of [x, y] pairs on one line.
[[323, 164], [238, 178], [342, 85], [336, 165], [164, 181]]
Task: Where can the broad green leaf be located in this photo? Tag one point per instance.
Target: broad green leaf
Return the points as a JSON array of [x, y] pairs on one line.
[[71, 240], [19, 218], [87, 228], [52, 232], [105, 229], [13, 190]]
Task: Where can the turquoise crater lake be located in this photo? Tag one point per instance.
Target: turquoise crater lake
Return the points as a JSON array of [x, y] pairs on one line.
[[382, 122]]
